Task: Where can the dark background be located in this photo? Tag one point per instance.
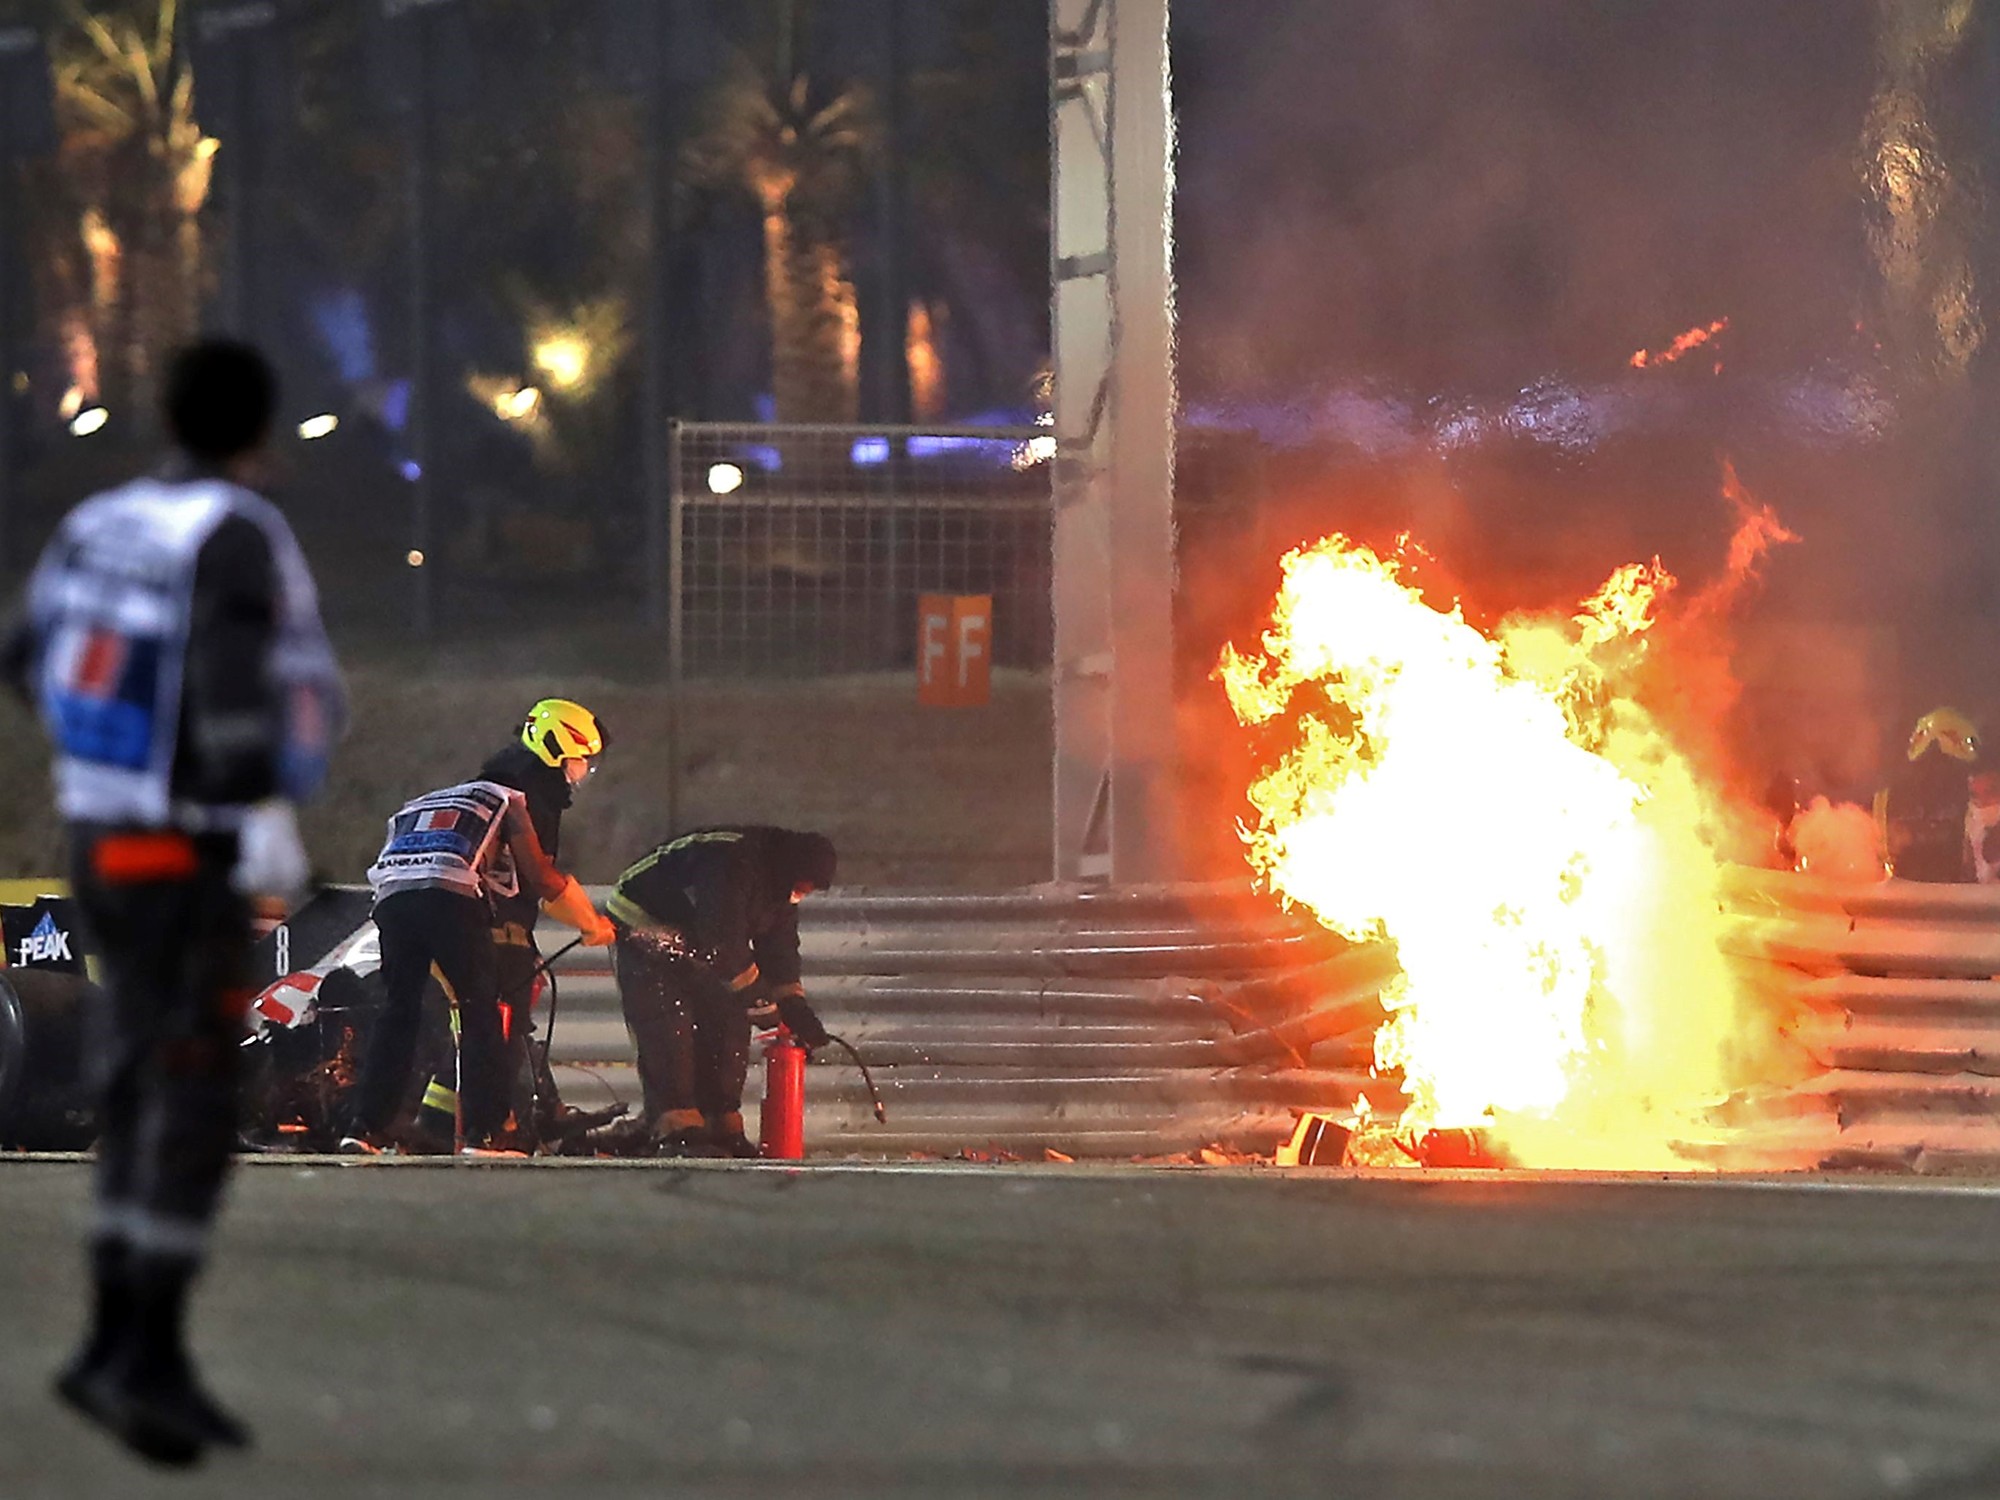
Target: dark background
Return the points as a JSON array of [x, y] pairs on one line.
[[1419, 243]]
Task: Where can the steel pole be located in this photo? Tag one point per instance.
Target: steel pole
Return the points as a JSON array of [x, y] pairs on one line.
[[419, 148], [656, 397], [1144, 816], [1111, 148], [676, 623]]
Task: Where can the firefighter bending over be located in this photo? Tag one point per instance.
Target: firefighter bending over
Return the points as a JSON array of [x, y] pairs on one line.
[[552, 754], [172, 643], [1925, 811], [449, 856], [708, 935]]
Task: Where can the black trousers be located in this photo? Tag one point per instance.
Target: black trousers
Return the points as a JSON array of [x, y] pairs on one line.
[[441, 932], [693, 1035], [173, 944], [530, 1085]]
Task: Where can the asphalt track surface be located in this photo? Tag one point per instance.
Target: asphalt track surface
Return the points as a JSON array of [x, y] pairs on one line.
[[445, 1331]]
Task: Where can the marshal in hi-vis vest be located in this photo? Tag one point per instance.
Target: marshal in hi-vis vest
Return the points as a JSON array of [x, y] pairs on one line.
[[111, 605], [451, 838]]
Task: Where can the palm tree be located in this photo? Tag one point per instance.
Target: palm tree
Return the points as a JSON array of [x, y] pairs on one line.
[[135, 168], [800, 154]]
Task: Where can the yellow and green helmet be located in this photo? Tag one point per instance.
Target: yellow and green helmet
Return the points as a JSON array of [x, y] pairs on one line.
[[558, 730], [1948, 729]]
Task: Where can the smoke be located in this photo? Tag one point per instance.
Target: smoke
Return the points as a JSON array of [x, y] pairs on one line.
[[1419, 241], [1839, 841]]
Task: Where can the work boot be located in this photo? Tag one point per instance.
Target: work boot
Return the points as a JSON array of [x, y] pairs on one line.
[[160, 1431], [158, 1357], [419, 1141], [437, 1118], [691, 1142], [110, 1311], [143, 1389], [725, 1133], [681, 1132]]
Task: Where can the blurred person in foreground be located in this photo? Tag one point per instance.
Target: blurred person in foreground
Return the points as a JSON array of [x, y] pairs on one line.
[[172, 645], [708, 942], [1925, 811]]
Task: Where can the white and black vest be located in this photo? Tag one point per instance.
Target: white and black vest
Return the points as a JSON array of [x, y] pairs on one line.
[[449, 838], [111, 604]]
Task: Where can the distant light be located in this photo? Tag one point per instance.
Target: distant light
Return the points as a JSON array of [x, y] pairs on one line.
[[319, 426], [564, 358], [412, 471], [395, 405], [21, 382], [414, 558], [90, 419], [870, 450], [724, 479], [1036, 450], [930, 445], [519, 405], [71, 403]]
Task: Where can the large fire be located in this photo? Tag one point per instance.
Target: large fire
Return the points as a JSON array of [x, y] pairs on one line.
[[1511, 812]]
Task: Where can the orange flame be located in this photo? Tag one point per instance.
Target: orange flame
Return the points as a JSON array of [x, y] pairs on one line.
[[1693, 339], [1508, 811]]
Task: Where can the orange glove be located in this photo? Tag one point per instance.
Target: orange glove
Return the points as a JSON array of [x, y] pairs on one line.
[[572, 906]]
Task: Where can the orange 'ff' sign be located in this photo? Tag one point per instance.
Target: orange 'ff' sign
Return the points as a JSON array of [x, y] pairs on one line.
[[954, 649]]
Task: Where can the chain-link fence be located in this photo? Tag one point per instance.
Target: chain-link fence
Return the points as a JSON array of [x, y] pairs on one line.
[[796, 551]]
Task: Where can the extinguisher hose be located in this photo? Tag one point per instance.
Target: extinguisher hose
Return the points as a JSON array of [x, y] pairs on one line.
[[548, 966], [523, 990], [874, 1096]]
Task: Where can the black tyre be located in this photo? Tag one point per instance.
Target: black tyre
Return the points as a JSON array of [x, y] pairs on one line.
[[45, 1092], [13, 1061]]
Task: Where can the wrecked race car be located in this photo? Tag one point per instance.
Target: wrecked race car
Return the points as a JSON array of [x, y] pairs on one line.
[[319, 992]]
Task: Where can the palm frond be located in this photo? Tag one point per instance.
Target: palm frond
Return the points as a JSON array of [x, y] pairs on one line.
[[94, 28]]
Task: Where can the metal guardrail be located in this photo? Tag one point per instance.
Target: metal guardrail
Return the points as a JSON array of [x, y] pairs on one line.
[[1895, 989], [1090, 1022], [1156, 1020]]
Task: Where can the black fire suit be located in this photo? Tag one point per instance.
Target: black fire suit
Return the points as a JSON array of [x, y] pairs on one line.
[[707, 931], [1923, 812]]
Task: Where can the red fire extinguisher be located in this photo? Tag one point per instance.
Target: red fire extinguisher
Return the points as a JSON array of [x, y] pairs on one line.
[[782, 1130]]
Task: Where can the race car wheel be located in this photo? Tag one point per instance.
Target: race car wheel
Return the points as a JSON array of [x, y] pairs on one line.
[[13, 1060]]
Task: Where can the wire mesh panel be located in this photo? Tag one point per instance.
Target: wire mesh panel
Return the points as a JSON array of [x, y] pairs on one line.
[[801, 551]]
